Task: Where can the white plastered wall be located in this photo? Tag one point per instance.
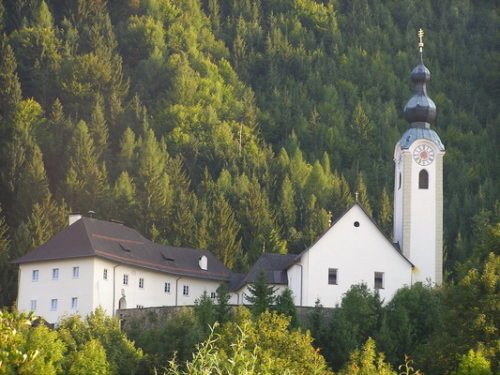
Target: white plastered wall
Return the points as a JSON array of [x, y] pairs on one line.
[[92, 290], [424, 229], [63, 289], [357, 253]]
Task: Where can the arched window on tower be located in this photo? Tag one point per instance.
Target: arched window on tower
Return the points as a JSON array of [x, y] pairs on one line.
[[423, 179]]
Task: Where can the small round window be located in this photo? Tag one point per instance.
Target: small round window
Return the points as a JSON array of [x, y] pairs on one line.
[[356, 224]]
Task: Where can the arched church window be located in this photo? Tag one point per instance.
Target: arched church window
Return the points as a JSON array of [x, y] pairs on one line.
[[423, 179], [399, 184]]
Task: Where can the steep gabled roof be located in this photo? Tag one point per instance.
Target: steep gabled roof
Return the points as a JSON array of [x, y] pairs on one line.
[[92, 237], [393, 245], [273, 266]]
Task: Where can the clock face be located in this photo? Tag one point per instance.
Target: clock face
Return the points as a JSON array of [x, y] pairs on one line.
[[423, 155]]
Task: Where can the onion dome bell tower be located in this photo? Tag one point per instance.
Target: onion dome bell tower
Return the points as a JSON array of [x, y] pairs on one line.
[[418, 183]]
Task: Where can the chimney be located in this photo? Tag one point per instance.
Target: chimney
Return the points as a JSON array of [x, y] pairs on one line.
[[74, 218]]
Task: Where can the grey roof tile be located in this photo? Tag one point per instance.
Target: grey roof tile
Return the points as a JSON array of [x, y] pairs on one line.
[[273, 266], [92, 237]]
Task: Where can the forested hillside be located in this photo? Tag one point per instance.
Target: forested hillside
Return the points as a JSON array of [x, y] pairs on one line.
[[238, 126]]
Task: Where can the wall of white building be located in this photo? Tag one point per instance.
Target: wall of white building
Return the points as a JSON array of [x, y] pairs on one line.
[[93, 288], [37, 294], [426, 222], [356, 252]]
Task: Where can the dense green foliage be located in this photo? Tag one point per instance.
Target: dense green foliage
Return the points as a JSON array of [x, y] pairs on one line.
[[95, 345], [236, 126], [260, 346]]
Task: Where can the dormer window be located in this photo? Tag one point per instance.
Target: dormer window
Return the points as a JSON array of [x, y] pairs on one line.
[[203, 262], [126, 248]]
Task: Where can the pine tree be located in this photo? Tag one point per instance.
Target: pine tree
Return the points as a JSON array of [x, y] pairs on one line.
[[37, 47], [287, 209], [261, 295], [124, 199], [23, 163], [10, 88], [385, 213], [223, 231], [152, 182], [285, 305], [98, 130], [7, 273], [53, 140], [204, 311], [180, 225], [341, 196], [86, 181], [317, 183], [363, 198], [128, 148], [222, 308]]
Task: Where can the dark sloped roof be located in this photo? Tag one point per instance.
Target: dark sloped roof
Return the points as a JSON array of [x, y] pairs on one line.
[[273, 266], [92, 237]]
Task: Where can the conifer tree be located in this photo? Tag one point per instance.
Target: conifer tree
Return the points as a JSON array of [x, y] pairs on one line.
[[23, 163], [124, 199], [222, 308], [86, 181], [223, 231], [10, 88], [363, 198], [37, 47], [152, 182], [287, 209], [53, 138], [261, 295], [98, 129], [180, 226], [285, 305], [7, 274], [385, 213], [341, 195], [128, 148]]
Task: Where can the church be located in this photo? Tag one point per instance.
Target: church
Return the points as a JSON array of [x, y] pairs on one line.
[[94, 263]]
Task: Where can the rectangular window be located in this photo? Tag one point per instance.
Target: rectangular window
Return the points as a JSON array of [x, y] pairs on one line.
[[212, 295], [35, 275], [125, 279], [74, 303], [141, 283], [105, 274], [185, 290], [76, 272], [379, 280], [332, 276], [53, 304], [33, 305], [55, 273], [167, 288]]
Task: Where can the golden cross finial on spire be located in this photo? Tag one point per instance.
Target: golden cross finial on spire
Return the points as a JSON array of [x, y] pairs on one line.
[[421, 42]]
